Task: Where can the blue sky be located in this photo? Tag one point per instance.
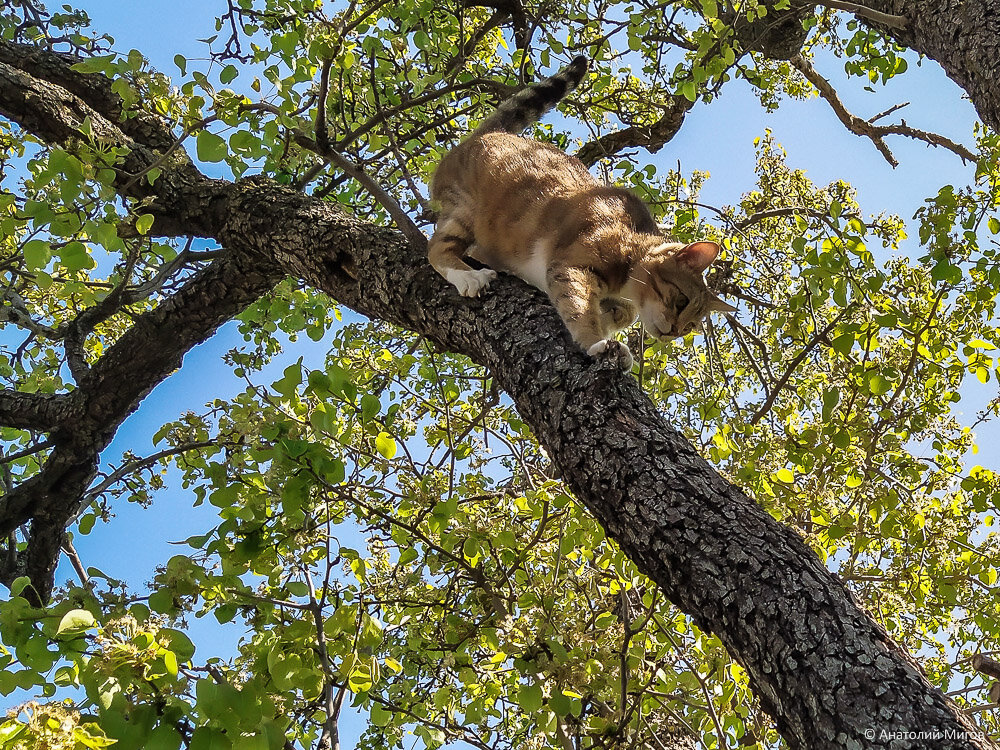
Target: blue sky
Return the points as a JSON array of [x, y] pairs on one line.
[[717, 138]]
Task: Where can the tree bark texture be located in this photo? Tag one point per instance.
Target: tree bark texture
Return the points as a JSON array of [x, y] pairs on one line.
[[826, 672]]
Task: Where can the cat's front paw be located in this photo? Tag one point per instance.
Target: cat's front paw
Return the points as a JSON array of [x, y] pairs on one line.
[[471, 283], [609, 348]]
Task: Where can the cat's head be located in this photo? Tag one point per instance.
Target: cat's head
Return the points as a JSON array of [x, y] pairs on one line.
[[670, 288]]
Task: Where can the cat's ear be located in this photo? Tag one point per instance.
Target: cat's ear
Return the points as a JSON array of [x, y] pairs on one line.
[[698, 255], [717, 305]]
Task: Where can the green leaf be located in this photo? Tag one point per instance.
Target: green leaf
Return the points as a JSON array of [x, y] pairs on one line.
[[370, 406], [994, 224], [228, 74], [97, 64], [75, 256], [980, 344], [211, 148], [380, 716], [206, 738], [830, 400], [164, 737], [385, 445], [784, 475], [37, 254], [878, 385], [144, 223], [529, 697], [75, 621]]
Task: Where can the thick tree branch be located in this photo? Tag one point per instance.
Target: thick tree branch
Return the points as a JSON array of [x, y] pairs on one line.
[[715, 553], [112, 389], [652, 138], [57, 115], [778, 35], [33, 411]]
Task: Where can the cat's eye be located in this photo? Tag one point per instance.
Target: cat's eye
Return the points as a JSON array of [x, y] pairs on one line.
[[681, 302]]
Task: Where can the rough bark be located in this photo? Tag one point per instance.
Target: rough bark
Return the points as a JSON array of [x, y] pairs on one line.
[[823, 669]]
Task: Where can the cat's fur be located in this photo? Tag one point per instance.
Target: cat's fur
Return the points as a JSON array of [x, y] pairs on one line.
[[527, 208]]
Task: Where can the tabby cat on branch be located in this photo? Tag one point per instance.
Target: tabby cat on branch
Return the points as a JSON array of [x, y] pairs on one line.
[[527, 208]]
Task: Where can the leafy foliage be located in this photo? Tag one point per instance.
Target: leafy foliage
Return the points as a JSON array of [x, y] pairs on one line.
[[390, 536]]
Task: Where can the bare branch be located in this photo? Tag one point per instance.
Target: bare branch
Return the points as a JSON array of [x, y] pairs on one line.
[[322, 147], [138, 465], [70, 551], [652, 137], [867, 128], [887, 19], [17, 313]]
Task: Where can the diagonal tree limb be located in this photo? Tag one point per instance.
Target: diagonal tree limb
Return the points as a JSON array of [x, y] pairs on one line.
[[652, 137], [149, 351], [866, 128], [961, 37], [715, 553]]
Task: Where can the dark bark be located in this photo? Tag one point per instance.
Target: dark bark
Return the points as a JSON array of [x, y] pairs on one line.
[[31, 411], [822, 668], [963, 36], [779, 35]]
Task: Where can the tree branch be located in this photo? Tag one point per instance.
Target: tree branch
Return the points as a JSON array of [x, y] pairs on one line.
[[886, 19], [33, 411], [866, 128], [714, 552], [652, 137]]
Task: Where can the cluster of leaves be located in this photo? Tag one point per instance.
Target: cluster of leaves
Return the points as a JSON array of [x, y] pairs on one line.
[[389, 534]]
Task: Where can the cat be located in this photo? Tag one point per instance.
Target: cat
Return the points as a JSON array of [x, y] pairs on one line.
[[530, 209]]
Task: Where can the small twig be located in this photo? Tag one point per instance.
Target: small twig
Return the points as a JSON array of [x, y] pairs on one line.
[[775, 212], [793, 365], [31, 449], [322, 134], [70, 551], [138, 465], [886, 19], [888, 112], [322, 146], [16, 312]]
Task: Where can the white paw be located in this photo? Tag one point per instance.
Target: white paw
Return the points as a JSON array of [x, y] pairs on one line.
[[471, 283], [611, 347], [599, 348]]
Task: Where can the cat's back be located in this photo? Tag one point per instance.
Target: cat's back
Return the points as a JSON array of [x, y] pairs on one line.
[[497, 164]]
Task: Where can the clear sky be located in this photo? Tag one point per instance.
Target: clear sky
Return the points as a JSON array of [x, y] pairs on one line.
[[717, 138]]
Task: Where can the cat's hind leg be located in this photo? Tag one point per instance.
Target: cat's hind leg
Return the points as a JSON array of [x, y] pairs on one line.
[[451, 238]]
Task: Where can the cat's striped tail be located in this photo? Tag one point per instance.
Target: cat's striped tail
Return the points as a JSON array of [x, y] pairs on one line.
[[528, 105]]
